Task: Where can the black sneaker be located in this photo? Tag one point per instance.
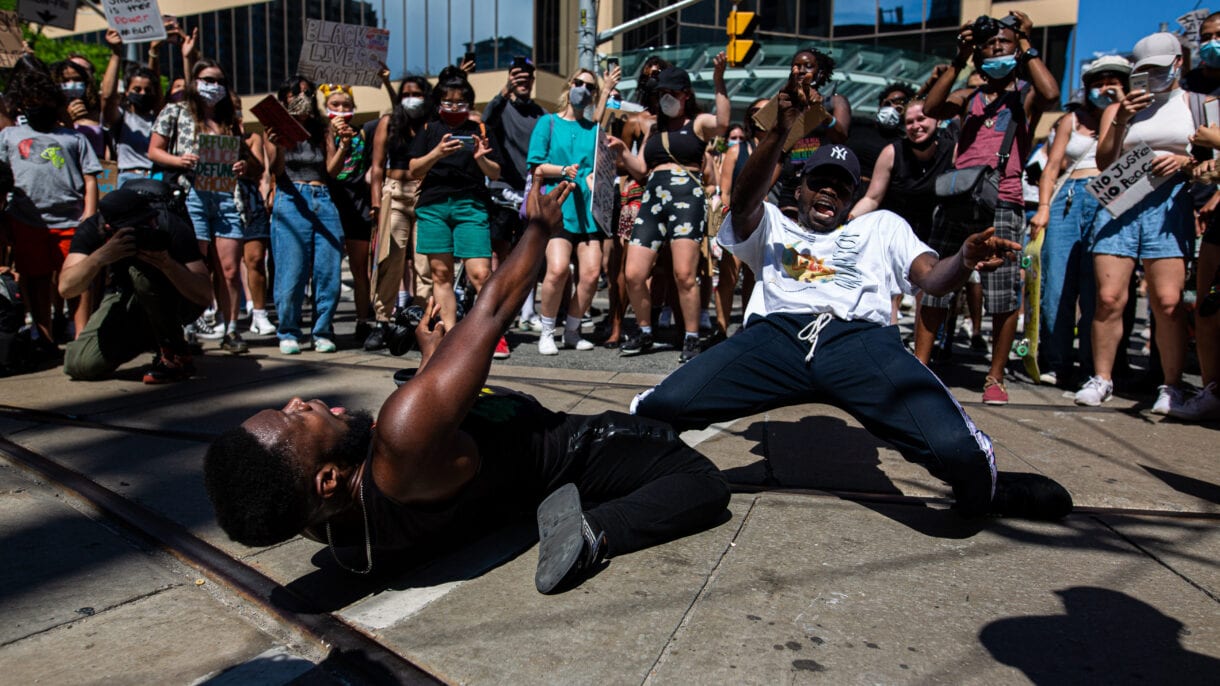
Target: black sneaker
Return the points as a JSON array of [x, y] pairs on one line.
[[169, 368], [977, 344], [361, 333], [375, 340], [1029, 496], [690, 348], [568, 547], [639, 343], [233, 343]]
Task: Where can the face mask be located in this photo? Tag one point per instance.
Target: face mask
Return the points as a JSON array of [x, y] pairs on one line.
[[1160, 79], [999, 67], [300, 105], [670, 106], [733, 141], [414, 106], [454, 119], [139, 101], [888, 117], [1210, 53], [579, 97], [1100, 99], [41, 118], [211, 93], [614, 104], [73, 90], [176, 97], [331, 114]]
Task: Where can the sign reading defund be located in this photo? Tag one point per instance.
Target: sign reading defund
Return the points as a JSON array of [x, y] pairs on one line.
[[217, 155], [347, 54]]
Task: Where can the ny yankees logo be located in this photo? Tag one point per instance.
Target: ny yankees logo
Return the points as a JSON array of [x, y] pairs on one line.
[[839, 152]]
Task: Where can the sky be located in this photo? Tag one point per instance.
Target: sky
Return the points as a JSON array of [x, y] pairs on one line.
[[1108, 27]]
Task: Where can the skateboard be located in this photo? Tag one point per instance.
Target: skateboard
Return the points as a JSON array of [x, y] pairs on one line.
[[1027, 347]]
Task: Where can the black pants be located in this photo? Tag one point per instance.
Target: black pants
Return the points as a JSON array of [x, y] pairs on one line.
[[638, 482]]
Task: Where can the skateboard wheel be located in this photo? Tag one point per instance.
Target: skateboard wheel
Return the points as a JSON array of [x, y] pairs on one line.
[[1026, 260], [1023, 348]]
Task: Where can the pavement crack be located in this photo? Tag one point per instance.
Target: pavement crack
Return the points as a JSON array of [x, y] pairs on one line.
[[1155, 558], [704, 589], [95, 613]]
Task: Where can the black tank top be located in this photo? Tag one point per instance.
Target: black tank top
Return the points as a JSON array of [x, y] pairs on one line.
[[912, 190], [686, 148]]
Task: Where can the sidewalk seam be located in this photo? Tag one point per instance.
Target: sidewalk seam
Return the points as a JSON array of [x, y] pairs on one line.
[[96, 613], [1155, 558]]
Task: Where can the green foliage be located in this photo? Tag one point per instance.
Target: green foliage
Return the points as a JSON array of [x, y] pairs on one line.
[[51, 51]]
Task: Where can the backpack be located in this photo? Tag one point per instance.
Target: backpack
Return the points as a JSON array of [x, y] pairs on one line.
[[16, 349]]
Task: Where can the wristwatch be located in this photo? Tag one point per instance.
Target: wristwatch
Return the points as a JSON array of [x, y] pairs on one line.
[[1031, 54]]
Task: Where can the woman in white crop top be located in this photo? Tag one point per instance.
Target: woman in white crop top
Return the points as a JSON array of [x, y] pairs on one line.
[[1067, 212], [1158, 230]]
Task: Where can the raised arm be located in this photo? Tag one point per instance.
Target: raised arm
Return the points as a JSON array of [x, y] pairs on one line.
[[942, 101], [112, 112], [746, 204]]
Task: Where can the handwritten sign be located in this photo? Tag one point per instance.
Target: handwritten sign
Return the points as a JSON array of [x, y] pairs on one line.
[[217, 154], [272, 115], [348, 54], [137, 21], [108, 180], [605, 195], [1126, 182], [10, 39], [814, 117], [61, 13], [1190, 23]]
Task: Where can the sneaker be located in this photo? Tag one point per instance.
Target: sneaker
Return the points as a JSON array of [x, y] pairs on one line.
[[1167, 398], [666, 319], [290, 346], [572, 339], [1095, 392], [232, 343], [568, 547], [1049, 378], [322, 344], [168, 367], [639, 343], [977, 344], [546, 343], [1029, 496], [1201, 406], [690, 348], [994, 392], [376, 338], [534, 323], [205, 330], [260, 325], [502, 352], [361, 334]]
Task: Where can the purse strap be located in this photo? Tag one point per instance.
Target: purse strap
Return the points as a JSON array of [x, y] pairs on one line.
[[665, 144]]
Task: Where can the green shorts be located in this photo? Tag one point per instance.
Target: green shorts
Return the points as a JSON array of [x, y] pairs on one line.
[[454, 226]]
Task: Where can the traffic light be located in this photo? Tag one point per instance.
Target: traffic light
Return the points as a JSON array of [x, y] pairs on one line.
[[742, 46]]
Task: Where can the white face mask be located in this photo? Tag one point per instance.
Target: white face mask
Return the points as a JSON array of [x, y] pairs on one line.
[[414, 105], [211, 93], [1160, 79], [670, 106]]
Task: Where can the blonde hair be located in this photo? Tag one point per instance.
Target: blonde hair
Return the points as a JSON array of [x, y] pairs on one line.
[[329, 89], [563, 97]]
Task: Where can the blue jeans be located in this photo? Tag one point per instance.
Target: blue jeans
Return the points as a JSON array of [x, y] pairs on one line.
[[214, 215], [306, 240], [1067, 277]]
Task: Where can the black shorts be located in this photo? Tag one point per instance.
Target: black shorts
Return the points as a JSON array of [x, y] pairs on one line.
[[505, 223]]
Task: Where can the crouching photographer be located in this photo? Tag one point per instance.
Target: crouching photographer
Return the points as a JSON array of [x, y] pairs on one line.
[[156, 281]]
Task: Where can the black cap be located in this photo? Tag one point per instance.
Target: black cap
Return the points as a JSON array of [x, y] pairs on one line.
[[124, 207], [673, 79], [834, 155]]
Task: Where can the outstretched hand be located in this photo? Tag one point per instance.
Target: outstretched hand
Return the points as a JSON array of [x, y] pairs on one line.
[[793, 100], [430, 331], [985, 252], [547, 208]]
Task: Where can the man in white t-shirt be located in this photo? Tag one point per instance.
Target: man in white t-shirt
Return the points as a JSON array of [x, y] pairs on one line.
[[817, 328]]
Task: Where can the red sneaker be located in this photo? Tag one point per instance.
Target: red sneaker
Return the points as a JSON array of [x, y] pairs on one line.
[[994, 392], [169, 368], [502, 352]]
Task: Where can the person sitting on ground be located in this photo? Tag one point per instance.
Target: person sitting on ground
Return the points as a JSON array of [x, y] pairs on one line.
[[448, 459], [819, 330], [157, 281]]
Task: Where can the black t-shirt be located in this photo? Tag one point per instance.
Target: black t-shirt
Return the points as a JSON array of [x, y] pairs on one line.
[[457, 175], [867, 140], [90, 236]]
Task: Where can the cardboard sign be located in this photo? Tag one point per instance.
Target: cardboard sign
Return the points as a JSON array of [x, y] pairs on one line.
[[605, 194], [348, 54], [10, 39], [271, 114], [61, 13], [217, 155], [108, 180], [137, 21], [1126, 182], [812, 119], [1190, 23]]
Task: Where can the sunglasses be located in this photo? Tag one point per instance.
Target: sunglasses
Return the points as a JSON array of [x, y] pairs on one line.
[[210, 79], [816, 182], [895, 102]]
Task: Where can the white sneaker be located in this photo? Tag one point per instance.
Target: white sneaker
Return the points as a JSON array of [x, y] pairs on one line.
[[1095, 392], [572, 339], [322, 344], [1167, 398], [546, 343], [289, 346], [260, 325], [1203, 405], [531, 324]]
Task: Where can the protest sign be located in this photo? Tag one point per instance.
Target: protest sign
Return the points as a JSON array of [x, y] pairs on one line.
[[61, 13], [348, 54], [136, 21], [813, 118], [1190, 23], [271, 114], [108, 180], [10, 39], [1126, 182], [605, 194], [217, 154]]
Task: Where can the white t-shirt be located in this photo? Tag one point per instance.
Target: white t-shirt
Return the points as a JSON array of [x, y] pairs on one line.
[[849, 272]]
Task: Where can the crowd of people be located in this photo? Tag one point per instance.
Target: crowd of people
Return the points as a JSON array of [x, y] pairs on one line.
[[426, 201]]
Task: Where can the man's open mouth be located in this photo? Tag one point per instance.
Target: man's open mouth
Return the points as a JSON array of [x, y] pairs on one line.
[[825, 207]]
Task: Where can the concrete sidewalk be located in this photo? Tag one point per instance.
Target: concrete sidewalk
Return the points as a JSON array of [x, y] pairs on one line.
[[831, 568]]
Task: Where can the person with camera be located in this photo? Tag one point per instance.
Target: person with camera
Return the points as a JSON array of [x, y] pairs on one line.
[[1017, 88], [156, 282], [449, 458]]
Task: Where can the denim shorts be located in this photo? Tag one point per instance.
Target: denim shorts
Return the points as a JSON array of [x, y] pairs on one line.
[[1160, 225], [214, 215]]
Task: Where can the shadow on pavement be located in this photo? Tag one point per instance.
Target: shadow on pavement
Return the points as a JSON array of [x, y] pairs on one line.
[[1198, 488]]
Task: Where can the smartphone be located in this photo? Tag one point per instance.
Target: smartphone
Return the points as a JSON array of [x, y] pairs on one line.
[[466, 141], [1139, 81], [469, 57], [611, 63]]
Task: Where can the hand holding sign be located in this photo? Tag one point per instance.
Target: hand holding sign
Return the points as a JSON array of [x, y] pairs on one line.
[[136, 21], [1126, 182]]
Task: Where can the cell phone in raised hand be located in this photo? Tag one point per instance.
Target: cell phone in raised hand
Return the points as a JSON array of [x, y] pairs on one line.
[[1139, 81], [466, 141]]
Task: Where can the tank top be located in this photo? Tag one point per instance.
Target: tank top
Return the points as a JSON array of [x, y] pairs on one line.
[[1165, 126], [398, 149], [912, 190], [686, 147], [982, 134], [1081, 150], [305, 163]]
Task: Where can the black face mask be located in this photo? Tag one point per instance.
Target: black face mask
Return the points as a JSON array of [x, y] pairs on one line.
[[139, 101], [42, 118]]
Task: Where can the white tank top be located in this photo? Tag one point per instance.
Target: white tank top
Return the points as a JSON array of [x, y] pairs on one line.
[[1081, 150], [1165, 126]]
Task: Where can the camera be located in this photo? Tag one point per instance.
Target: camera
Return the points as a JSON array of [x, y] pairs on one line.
[[144, 205], [985, 28], [521, 62]]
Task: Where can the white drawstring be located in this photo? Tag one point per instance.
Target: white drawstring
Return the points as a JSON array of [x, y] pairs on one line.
[[812, 330]]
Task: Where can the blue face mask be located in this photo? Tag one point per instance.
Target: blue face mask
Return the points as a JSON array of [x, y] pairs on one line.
[[1100, 99], [1210, 53], [999, 67]]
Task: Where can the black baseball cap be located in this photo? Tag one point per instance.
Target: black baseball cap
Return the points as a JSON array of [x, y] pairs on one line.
[[125, 207], [834, 155], [673, 79]]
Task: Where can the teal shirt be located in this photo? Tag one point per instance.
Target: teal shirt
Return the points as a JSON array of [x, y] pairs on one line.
[[558, 141]]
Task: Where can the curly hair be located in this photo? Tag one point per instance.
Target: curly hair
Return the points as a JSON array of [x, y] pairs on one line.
[[401, 124], [32, 88], [260, 495], [896, 87], [826, 65], [92, 99], [316, 124]]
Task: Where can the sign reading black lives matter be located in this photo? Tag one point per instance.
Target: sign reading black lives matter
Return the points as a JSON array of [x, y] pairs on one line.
[[61, 13], [137, 21], [605, 194], [11, 47], [1126, 182], [347, 54]]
